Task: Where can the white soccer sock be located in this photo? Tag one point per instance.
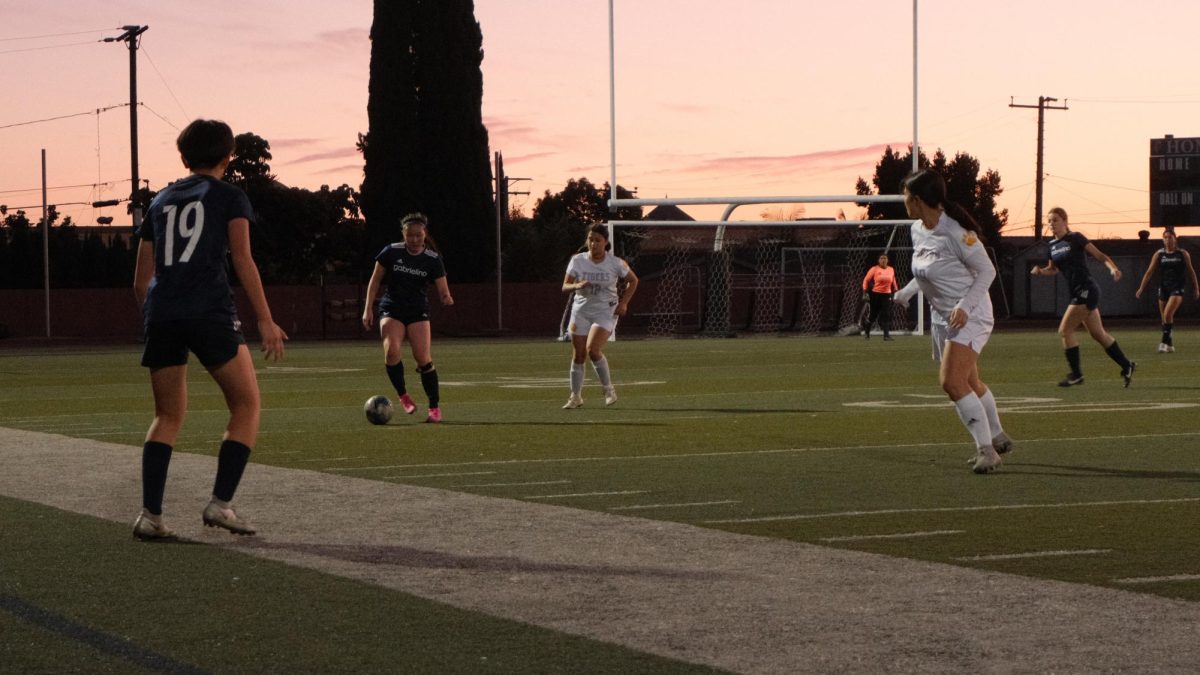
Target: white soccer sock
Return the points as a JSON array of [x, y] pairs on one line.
[[973, 417], [577, 374], [601, 368], [993, 417]]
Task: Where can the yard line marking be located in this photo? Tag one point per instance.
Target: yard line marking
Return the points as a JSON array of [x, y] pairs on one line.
[[951, 509], [1155, 580], [775, 451], [898, 535], [536, 482], [1033, 554], [331, 459], [637, 507], [587, 494], [440, 475]]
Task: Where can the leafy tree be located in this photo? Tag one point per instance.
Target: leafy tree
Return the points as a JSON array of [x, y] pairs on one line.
[[250, 163], [538, 248], [427, 149], [977, 194]]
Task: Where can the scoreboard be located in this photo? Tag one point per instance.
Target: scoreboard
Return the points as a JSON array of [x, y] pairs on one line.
[[1174, 182]]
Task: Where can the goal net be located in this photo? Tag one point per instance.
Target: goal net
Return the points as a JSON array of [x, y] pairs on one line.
[[779, 277]]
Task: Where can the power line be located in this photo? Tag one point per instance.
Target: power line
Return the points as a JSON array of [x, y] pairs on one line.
[[41, 37], [164, 81], [110, 183], [34, 49], [97, 111], [169, 122], [1135, 100], [1088, 182]]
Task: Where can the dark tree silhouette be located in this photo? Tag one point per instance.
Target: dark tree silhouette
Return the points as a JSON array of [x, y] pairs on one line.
[[427, 149]]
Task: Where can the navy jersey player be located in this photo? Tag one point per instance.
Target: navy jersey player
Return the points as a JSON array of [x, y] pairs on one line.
[[1068, 254], [190, 231], [405, 271], [1176, 266]]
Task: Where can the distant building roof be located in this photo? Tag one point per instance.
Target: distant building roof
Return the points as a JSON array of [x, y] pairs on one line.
[[667, 212]]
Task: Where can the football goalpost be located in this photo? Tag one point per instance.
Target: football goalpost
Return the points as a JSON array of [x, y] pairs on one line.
[[717, 277]]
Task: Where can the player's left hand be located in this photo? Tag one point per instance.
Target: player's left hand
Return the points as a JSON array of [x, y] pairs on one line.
[[447, 300], [958, 318], [1116, 273], [272, 340], [621, 309]]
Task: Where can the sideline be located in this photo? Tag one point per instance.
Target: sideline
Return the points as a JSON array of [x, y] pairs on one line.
[[742, 603]]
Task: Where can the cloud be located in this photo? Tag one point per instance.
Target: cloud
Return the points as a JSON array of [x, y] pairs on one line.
[[283, 143], [528, 158], [767, 165], [340, 153]]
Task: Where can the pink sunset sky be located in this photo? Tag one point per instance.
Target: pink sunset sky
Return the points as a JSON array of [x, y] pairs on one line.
[[762, 97]]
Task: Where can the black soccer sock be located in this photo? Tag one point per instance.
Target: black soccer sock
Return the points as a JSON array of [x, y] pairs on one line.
[[1073, 360], [429, 381], [156, 457], [1167, 329], [1114, 352], [231, 463], [396, 375]]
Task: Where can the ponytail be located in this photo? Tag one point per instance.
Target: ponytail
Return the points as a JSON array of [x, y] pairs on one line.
[[930, 187]]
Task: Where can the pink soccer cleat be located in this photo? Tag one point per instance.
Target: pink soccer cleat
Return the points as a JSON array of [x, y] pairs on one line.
[[408, 404], [435, 415]]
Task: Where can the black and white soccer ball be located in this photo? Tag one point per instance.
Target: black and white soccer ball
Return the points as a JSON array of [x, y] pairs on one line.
[[378, 410]]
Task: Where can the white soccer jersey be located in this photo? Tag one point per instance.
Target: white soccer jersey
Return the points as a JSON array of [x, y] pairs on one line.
[[602, 277], [950, 266]]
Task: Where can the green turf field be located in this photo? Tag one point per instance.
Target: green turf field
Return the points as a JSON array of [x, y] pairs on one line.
[[839, 442]]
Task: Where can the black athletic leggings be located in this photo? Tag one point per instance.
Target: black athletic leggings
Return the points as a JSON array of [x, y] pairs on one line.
[[881, 310]]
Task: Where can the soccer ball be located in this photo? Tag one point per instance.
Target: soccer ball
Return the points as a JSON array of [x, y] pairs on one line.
[[378, 410]]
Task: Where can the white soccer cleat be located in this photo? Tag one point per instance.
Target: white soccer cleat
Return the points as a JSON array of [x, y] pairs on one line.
[[573, 402], [610, 395], [1162, 348], [1002, 444], [986, 459], [1170, 349]]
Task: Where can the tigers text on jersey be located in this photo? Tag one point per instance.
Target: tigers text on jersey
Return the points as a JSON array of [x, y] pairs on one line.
[[952, 269], [189, 224], [602, 277], [407, 276], [1070, 257]]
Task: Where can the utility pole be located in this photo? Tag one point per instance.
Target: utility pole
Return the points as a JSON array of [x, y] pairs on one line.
[[131, 38], [503, 183], [1041, 108]]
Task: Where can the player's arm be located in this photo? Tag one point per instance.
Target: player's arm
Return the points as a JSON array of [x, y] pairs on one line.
[[247, 273], [368, 316], [1049, 270], [631, 284], [570, 283], [443, 289], [144, 272], [1150, 273], [1108, 262], [902, 296], [1187, 258], [976, 259]]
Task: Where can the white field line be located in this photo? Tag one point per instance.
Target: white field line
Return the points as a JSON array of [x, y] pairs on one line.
[[1033, 554], [777, 451], [586, 494], [639, 507], [1155, 580], [331, 459], [898, 535], [536, 482], [442, 475], [949, 509]]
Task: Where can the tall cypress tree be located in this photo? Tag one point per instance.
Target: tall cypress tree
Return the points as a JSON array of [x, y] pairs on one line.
[[427, 149]]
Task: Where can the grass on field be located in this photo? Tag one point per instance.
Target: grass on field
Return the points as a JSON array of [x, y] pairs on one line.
[[833, 441]]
